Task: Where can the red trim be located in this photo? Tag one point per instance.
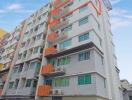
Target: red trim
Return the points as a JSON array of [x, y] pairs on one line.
[[98, 10]]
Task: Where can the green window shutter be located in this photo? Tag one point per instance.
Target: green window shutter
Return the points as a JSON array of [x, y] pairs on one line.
[[80, 80], [87, 79], [84, 79], [67, 82], [62, 82]]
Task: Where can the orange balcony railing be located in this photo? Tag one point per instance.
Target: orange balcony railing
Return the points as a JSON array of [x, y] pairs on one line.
[[50, 51], [57, 13], [47, 69], [44, 90], [1, 92], [55, 24], [52, 37]]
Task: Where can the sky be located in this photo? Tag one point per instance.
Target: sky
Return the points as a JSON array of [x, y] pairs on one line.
[[12, 12]]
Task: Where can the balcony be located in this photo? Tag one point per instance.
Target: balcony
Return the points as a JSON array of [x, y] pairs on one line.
[[57, 13], [11, 92], [50, 70], [55, 24], [46, 69], [26, 91], [44, 90], [50, 51], [52, 37], [60, 3], [55, 37]]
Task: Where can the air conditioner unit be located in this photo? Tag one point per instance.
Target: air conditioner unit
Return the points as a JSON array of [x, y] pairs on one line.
[[57, 92], [59, 69]]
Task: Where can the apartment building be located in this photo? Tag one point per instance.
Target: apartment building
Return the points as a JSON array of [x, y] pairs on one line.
[[2, 33], [7, 51], [79, 62], [24, 75], [65, 52], [3, 68]]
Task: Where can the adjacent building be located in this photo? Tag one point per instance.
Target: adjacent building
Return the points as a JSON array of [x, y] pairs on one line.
[[3, 68], [127, 90], [9, 44], [24, 75], [65, 51]]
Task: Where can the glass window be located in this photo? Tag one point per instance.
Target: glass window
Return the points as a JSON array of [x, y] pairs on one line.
[[25, 54], [63, 61], [32, 65], [84, 37], [65, 44], [83, 21], [29, 82], [69, 16], [68, 5], [16, 83], [84, 56], [84, 8], [66, 29], [11, 85], [62, 82], [84, 79], [35, 50]]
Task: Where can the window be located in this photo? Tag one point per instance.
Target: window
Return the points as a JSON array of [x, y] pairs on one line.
[[35, 50], [84, 56], [15, 70], [68, 16], [32, 65], [65, 44], [25, 54], [56, 98], [84, 8], [29, 82], [84, 79], [83, 37], [39, 36], [19, 56], [41, 24], [68, 5], [16, 83], [102, 60], [98, 26], [63, 61], [83, 21], [68, 28], [130, 97], [11, 85], [20, 68], [100, 41], [104, 83], [35, 83], [52, 61], [62, 82], [36, 28]]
